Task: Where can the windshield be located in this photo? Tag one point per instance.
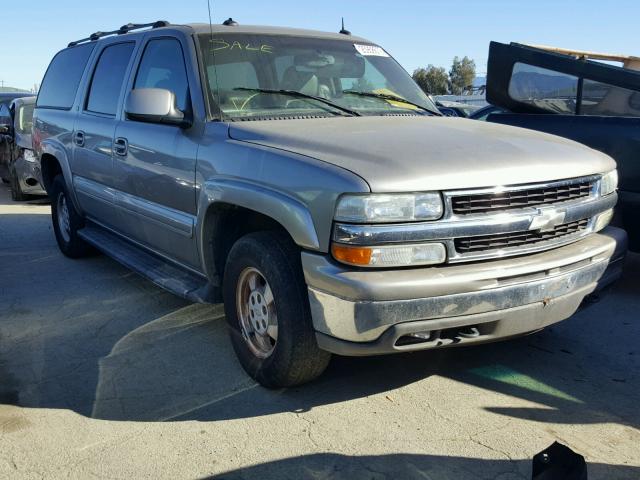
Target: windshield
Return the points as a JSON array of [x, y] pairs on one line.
[[253, 77]]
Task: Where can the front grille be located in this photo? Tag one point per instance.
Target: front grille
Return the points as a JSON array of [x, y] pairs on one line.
[[513, 199], [516, 239]]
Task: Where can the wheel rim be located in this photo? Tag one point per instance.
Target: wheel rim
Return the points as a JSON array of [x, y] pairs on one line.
[[256, 312], [63, 218]]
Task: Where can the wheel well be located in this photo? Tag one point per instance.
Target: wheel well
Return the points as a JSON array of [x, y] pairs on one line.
[[224, 225], [50, 167]]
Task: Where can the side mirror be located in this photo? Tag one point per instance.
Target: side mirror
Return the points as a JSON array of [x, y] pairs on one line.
[[154, 105]]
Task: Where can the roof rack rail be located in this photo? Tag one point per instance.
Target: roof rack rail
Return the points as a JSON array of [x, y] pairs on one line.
[[121, 31]]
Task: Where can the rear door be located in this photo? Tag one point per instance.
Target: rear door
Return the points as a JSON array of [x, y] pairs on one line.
[[591, 102], [94, 133], [154, 164]]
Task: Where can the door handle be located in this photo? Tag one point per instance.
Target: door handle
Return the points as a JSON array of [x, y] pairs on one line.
[[78, 138], [121, 146]]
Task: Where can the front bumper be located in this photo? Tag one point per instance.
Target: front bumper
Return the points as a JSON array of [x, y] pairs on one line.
[[368, 312], [29, 176]]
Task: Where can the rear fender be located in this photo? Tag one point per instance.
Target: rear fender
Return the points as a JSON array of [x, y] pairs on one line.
[[55, 149]]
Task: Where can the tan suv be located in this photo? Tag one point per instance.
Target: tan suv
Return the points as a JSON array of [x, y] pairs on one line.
[[306, 180]]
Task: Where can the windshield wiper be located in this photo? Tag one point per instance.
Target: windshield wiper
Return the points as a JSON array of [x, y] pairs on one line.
[[394, 98], [295, 93]]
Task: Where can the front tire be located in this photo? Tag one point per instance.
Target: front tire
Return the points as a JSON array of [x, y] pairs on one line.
[[17, 195], [267, 309], [66, 221]]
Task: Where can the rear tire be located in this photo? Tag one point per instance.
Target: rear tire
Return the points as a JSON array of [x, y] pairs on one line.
[[66, 221], [264, 288]]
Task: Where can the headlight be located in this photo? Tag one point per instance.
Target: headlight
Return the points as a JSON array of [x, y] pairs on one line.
[[28, 155], [609, 183], [388, 208], [390, 255]]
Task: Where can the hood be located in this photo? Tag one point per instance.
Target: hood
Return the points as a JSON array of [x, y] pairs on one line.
[[415, 153]]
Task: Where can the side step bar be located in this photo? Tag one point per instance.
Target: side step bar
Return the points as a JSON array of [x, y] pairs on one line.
[[171, 277]]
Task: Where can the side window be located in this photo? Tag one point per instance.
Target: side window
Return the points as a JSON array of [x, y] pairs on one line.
[[60, 83], [608, 100], [552, 91], [108, 78], [162, 66]]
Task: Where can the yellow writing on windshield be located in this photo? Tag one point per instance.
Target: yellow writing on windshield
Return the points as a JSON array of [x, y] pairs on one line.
[[220, 44], [395, 103]]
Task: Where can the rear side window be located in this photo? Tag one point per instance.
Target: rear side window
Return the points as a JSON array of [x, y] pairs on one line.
[[162, 66], [552, 91], [608, 100], [60, 83], [108, 78]]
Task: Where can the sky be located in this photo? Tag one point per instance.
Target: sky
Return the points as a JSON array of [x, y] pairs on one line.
[[416, 33]]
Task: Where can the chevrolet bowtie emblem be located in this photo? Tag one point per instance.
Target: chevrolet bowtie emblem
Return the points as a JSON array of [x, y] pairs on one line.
[[547, 219]]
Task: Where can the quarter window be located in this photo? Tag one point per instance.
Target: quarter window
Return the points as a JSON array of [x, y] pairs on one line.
[[162, 66], [543, 88], [60, 83], [607, 100], [108, 78]]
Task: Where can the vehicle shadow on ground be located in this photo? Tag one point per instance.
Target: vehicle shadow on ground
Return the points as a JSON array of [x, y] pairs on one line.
[[90, 336], [181, 367], [404, 466], [29, 200]]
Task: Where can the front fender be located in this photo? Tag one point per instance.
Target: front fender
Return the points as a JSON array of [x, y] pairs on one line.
[[289, 212]]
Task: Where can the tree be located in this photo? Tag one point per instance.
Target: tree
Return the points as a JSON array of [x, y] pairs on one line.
[[432, 80], [461, 75]]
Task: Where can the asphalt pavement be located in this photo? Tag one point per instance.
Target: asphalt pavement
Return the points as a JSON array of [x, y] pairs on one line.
[[104, 375]]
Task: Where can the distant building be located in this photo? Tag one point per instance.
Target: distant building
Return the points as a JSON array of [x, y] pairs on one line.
[[12, 90], [471, 96]]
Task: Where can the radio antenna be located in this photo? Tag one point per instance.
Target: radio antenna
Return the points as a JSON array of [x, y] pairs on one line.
[[213, 58], [343, 30], [210, 23]]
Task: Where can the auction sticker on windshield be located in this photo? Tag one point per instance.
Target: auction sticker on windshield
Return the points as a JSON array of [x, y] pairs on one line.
[[370, 50]]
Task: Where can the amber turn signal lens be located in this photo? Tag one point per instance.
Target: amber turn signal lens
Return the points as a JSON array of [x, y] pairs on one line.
[[351, 255]]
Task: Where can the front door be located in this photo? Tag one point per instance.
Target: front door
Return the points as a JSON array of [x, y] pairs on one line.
[[154, 164]]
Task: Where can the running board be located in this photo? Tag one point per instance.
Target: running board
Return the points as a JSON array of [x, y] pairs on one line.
[[171, 277]]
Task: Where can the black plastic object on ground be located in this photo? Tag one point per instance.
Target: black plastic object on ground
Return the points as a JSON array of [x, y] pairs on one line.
[[559, 462]]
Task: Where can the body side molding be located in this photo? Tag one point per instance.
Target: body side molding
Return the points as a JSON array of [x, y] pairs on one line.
[[180, 222]]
